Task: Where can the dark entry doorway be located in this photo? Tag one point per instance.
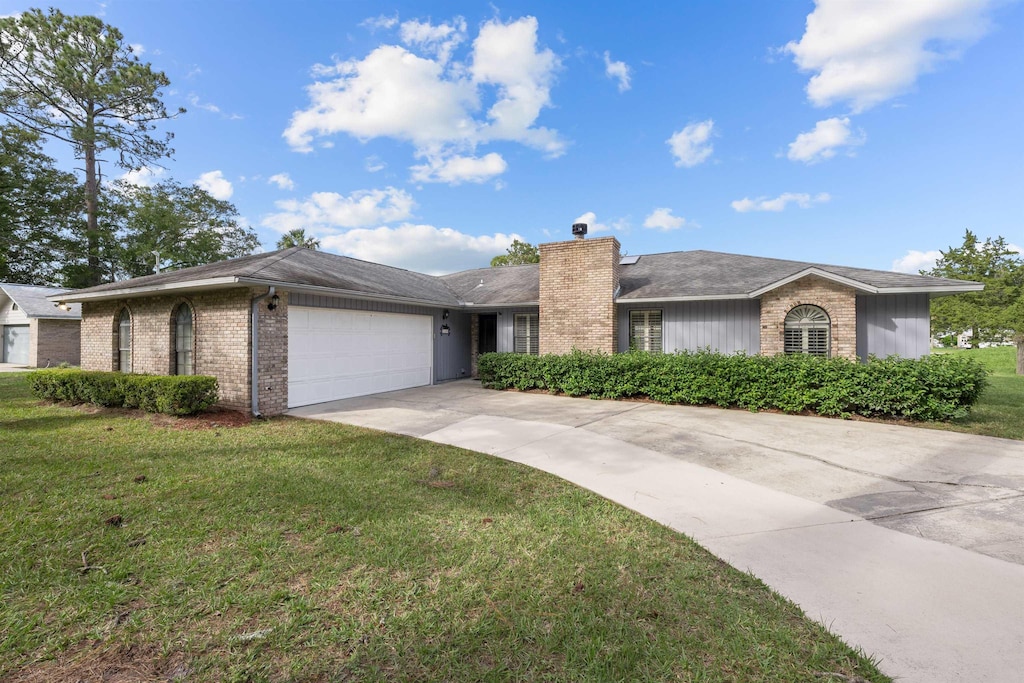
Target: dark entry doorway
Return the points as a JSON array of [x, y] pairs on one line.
[[487, 342]]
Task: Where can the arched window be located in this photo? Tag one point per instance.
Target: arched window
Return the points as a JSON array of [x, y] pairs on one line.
[[808, 330], [124, 341], [184, 340]]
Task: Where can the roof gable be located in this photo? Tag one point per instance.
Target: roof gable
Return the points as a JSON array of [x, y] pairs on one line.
[[33, 301]]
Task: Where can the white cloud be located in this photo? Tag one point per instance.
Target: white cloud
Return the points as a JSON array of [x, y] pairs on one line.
[[914, 261], [459, 169], [194, 100], [423, 248], [216, 184], [690, 146], [380, 22], [439, 39], [374, 163], [662, 219], [328, 212], [618, 71], [434, 105], [282, 180], [1015, 248], [137, 49], [865, 53], [822, 142], [147, 176], [594, 227], [802, 199]]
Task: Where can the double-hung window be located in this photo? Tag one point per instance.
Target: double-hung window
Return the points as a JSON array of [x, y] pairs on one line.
[[645, 330], [526, 333], [184, 339], [124, 341]]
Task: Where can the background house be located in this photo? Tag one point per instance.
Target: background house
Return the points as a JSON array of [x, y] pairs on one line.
[[34, 331], [297, 326]]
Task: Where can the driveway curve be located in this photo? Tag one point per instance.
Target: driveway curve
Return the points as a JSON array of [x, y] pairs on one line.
[[907, 542]]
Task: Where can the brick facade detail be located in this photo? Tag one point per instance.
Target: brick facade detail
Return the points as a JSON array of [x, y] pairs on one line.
[[838, 301], [222, 331], [54, 342], [474, 343], [578, 280]]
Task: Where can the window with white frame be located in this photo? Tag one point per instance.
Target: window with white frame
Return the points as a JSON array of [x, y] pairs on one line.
[[808, 330], [124, 341], [645, 330], [184, 340], [526, 333]]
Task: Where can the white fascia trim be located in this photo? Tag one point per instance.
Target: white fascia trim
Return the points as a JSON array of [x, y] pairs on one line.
[[523, 304], [696, 297], [943, 289], [824, 274], [132, 292]]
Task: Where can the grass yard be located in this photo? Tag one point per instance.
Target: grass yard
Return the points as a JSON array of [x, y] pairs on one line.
[[1000, 411], [134, 549]]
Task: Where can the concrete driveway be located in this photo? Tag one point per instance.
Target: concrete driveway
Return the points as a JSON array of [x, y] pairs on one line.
[[906, 542]]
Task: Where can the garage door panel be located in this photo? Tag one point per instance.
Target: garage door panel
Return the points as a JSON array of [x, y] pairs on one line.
[[337, 353], [14, 339]]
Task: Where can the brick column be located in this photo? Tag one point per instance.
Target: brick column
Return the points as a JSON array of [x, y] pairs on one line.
[[838, 301], [474, 343]]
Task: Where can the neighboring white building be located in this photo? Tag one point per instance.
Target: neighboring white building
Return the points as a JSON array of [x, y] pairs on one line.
[[34, 332]]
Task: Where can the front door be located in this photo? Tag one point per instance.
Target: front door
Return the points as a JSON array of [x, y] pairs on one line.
[[488, 339]]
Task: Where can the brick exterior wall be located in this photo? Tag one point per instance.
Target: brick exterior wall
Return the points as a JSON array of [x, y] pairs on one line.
[[474, 343], [54, 342], [838, 301], [578, 280], [221, 327]]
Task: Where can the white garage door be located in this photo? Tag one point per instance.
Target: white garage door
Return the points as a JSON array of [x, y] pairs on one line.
[[336, 354], [15, 341]]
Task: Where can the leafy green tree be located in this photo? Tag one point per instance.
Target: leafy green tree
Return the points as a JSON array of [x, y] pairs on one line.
[[987, 314], [73, 79], [298, 238], [181, 225], [39, 210], [517, 254]]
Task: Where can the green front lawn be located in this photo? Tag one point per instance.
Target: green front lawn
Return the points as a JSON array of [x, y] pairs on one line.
[[134, 549], [1000, 410]]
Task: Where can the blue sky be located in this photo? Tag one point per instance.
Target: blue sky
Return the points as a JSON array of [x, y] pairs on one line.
[[428, 135]]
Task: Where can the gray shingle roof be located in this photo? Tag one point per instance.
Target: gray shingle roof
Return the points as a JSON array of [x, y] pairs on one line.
[[712, 273], [672, 275], [504, 285], [32, 301]]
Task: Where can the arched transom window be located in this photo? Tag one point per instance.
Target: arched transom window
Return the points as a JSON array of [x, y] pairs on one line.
[[124, 341], [808, 330], [184, 340]]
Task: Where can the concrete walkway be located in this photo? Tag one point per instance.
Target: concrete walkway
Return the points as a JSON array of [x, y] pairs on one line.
[[905, 542], [11, 367]]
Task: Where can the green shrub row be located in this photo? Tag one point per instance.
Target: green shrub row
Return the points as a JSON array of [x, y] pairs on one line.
[[171, 394], [939, 387]]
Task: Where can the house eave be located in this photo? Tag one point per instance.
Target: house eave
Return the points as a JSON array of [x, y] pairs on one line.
[[818, 272], [694, 297], [348, 293], [150, 290]]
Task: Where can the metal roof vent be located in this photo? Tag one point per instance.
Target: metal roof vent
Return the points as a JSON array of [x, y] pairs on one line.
[[579, 230]]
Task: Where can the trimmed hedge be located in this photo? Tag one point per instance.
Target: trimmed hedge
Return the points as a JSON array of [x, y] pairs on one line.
[[939, 387], [170, 394]]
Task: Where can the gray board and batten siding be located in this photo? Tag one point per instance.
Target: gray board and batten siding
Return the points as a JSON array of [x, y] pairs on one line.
[[893, 324], [726, 326], [451, 352], [506, 326]]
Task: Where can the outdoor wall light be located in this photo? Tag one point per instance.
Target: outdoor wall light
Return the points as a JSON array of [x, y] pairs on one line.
[[63, 305], [274, 301], [444, 316], [445, 330]]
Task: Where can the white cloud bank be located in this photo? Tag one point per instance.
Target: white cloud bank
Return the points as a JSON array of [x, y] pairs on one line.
[[617, 71], [432, 102], [147, 176], [328, 212], [801, 199], [594, 227], [662, 219], [459, 169], [423, 248], [914, 261], [864, 52], [282, 180], [822, 142], [216, 184], [690, 146]]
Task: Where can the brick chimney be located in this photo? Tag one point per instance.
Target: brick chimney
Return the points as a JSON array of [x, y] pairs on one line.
[[578, 280]]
